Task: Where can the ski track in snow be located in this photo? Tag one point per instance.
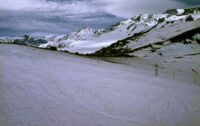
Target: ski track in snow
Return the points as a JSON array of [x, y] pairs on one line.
[[46, 88]]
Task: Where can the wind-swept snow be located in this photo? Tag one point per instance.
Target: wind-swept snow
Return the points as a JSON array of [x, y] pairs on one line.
[[46, 88]]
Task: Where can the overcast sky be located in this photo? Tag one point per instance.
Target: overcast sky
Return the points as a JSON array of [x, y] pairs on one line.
[[43, 17]]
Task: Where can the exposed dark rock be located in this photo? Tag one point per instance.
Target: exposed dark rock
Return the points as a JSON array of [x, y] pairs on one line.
[[189, 18], [160, 20], [184, 36], [19, 41], [171, 12], [27, 40], [190, 10], [53, 48], [186, 11], [137, 19]]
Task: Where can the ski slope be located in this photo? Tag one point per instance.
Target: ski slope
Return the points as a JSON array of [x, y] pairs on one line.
[[48, 88]]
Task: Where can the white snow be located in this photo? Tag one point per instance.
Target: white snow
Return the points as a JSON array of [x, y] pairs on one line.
[[47, 88], [163, 34], [180, 11], [196, 37]]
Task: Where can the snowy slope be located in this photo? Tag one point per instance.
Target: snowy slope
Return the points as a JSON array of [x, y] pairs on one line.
[[88, 41], [157, 37], [45, 88]]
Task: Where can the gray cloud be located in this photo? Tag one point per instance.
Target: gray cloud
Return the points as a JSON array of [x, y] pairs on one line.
[[129, 8], [50, 8], [81, 8], [20, 23], [39, 17]]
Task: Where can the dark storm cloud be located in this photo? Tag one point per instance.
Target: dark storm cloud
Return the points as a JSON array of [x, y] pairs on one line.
[[40, 17]]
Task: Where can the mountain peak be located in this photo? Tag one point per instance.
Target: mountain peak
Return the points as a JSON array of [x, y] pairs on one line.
[[88, 41], [182, 11], [87, 29]]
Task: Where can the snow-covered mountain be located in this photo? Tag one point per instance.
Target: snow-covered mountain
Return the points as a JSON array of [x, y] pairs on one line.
[[142, 33], [158, 27]]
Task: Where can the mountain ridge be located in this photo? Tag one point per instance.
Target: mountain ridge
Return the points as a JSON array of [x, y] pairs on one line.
[[125, 37]]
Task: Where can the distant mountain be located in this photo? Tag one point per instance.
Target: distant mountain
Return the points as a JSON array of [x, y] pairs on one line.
[[25, 40], [174, 31]]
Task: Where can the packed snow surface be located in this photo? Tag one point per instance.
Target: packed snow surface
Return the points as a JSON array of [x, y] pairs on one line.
[[48, 88]]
